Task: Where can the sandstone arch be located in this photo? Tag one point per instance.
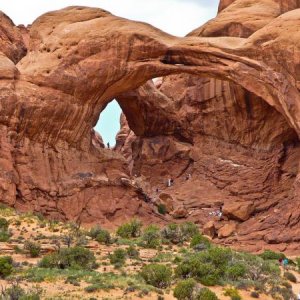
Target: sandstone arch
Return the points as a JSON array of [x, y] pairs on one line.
[[78, 59]]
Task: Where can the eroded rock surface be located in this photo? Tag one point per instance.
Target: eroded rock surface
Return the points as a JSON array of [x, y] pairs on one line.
[[222, 120]]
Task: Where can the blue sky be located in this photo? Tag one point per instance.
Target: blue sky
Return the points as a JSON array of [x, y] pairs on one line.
[[109, 123], [177, 17]]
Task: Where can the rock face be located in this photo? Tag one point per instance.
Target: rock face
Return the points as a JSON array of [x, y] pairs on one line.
[[222, 120]]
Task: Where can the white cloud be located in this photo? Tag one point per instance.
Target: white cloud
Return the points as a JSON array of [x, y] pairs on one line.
[[176, 17]]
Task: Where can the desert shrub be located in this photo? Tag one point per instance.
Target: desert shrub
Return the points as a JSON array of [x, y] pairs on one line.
[[151, 237], [173, 233], [162, 209], [199, 239], [189, 229], [206, 294], [130, 230], [254, 294], [51, 261], [3, 224], [91, 288], [6, 266], [177, 234], [72, 280], [298, 263], [98, 286], [271, 255], [94, 231], [278, 292], [4, 236], [103, 237], [236, 271], [184, 289], [32, 248], [157, 275], [287, 285], [74, 257], [15, 292], [290, 276], [74, 235], [208, 266], [132, 252], [118, 257], [232, 293], [18, 250]]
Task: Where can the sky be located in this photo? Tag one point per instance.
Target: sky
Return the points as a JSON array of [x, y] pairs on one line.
[[177, 17]]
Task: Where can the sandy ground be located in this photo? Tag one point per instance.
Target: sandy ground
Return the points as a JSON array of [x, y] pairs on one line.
[[29, 228]]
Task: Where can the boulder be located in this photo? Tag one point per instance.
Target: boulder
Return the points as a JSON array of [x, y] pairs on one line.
[[168, 201], [240, 211], [209, 229], [227, 230], [179, 212]]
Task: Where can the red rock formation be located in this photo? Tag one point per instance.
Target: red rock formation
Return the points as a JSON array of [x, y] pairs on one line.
[[225, 116], [238, 140]]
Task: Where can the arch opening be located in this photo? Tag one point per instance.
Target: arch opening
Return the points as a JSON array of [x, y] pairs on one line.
[[108, 124]]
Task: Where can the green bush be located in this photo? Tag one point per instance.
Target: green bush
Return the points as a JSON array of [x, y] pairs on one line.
[[173, 233], [177, 234], [198, 239], [157, 275], [162, 209], [208, 266], [118, 257], [290, 276], [206, 294], [73, 257], [271, 255], [91, 288], [132, 252], [32, 248], [278, 292], [298, 263], [184, 289], [6, 266], [103, 237], [189, 229], [232, 293], [15, 292], [130, 230], [94, 231], [254, 294], [3, 224], [287, 285], [151, 237], [98, 286], [236, 271], [4, 236]]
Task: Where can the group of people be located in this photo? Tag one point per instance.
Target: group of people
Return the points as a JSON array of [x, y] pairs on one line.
[[216, 213], [283, 262]]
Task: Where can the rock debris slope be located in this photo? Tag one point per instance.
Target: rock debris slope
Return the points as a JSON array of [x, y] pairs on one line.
[[224, 107]]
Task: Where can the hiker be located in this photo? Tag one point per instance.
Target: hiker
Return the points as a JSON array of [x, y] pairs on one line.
[[108, 146], [280, 260], [188, 176], [157, 190], [285, 263], [170, 182]]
